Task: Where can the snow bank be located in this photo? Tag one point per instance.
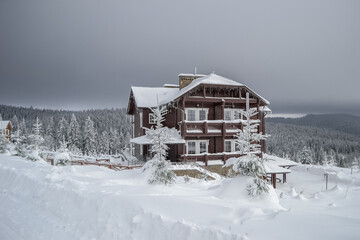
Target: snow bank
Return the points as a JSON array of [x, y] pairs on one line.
[[39, 201]]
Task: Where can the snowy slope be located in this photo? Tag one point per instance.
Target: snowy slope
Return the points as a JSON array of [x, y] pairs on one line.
[[39, 201]]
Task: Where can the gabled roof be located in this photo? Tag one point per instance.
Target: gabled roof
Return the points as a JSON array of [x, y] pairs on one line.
[[146, 97], [4, 124]]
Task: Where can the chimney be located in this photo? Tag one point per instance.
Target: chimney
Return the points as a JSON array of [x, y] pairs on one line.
[[185, 79]]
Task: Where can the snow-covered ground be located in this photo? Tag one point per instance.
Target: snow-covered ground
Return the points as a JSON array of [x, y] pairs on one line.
[[39, 201]]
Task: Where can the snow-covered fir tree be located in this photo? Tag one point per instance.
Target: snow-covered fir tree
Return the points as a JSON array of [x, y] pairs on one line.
[[20, 146], [63, 129], [89, 138], [332, 158], [74, 134], [104, 143], [4, 143], [36, 140], [305, 156], [248, 141], [22, 128], [62, 157], [15, 127], [51, 137], [159, 136]]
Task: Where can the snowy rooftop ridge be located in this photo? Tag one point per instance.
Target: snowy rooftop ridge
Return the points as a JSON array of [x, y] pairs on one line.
[[3, 124], [146, 97]]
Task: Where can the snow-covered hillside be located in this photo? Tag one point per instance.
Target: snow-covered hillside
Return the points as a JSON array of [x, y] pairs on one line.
[[39, 201]]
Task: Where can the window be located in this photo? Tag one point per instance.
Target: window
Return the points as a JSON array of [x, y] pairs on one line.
[[190, 116], [232, 114], [196, 114], [197, 146], [191, 147], [202, 146], [152, 118], [237, 114], [227, 114], [228, 144], [141, 119], [202, 114]]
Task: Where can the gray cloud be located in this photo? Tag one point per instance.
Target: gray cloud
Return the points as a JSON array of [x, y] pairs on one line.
[[300, 55]]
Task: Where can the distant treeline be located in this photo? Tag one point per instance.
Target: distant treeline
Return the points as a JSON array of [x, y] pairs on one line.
[[109, 128], [330, 136]]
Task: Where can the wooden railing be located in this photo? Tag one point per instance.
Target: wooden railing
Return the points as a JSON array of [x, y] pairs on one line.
[[209, 128]]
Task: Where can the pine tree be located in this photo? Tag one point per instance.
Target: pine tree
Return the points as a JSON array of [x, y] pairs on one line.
[[104, 143], [20, 146], [4, 143], [63, 129], [22, 128], [305, 156], [332, 158], [158, 136], [74, 134], [51, 135], [89, 138], [248, 141], [15, 127], [36, 140]]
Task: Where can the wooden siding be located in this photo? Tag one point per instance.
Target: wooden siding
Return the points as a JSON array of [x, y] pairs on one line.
[[215, 102]]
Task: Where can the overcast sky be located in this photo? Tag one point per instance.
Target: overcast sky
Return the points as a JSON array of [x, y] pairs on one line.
[[303, 56]]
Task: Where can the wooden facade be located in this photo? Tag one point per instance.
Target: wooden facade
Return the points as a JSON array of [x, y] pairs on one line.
[[215, 101], [5, 129]]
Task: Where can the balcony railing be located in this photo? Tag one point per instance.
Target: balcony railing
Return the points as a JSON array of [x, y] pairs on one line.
[[211, 128]]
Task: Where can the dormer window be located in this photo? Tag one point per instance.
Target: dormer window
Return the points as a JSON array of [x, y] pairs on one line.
[[196, 114]]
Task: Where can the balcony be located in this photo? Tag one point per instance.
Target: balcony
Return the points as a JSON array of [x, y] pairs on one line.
[[211, 128]]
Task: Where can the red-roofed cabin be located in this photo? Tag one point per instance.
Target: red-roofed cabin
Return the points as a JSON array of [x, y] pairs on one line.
[[5, 129]]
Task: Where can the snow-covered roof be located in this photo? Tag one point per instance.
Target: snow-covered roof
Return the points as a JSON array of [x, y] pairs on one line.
[[272, 167], [3, 124], [265, 109], [146, 97], [175, 138], [149, 97], [280, 161]]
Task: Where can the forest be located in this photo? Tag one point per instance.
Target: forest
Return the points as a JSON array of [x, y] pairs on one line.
[[317, 138], [90, 132]]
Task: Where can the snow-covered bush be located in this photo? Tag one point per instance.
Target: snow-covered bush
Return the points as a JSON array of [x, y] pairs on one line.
[[20, 146], [63, 157], [160, 172], [159, 166], [248, 141]]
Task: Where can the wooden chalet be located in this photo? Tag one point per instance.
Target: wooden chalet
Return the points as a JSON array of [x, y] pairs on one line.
[[5, 129], [202, 110]]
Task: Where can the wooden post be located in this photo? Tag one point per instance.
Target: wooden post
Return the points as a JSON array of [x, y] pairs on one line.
[[206, 128], [284, 177], [273, 179], [206, 160]]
